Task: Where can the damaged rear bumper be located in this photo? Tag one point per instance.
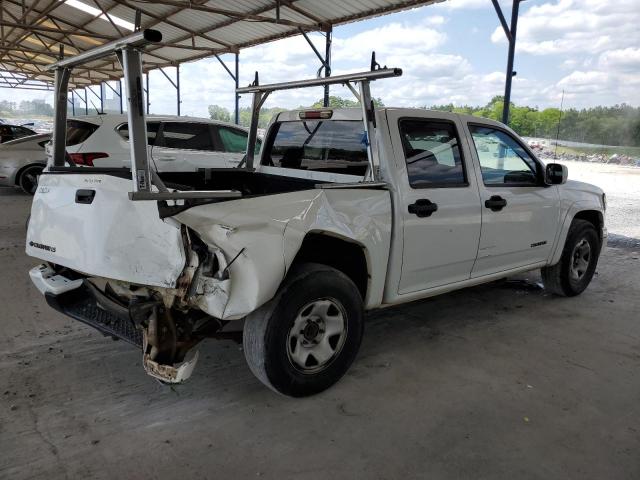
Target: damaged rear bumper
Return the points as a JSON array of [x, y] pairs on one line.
[[82, 301], [82, 304]]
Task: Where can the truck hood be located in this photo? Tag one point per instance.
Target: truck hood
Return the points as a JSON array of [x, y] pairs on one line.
[[583, 187]]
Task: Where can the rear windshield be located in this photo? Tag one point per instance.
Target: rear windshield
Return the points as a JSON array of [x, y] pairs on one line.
[[78, 131], [336, 146]]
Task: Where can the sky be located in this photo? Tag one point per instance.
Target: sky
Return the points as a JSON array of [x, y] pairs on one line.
[[452, 52]]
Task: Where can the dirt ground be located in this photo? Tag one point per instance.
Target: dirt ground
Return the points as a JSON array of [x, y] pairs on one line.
[[497, 381]]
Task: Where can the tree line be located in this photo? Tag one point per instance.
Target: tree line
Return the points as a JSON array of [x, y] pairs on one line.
[[25, 107], [615, 125]]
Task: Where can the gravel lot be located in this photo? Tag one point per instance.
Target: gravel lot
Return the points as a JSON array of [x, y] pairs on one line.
[[497, 381]]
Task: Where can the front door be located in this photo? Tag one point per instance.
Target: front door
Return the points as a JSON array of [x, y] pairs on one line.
[[520, 215], [439, 202]]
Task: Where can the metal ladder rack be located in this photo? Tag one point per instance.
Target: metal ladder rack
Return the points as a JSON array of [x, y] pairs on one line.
[[363, 94], [128, 50]]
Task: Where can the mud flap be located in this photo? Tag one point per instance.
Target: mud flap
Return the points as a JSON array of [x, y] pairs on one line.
[[176, 373]]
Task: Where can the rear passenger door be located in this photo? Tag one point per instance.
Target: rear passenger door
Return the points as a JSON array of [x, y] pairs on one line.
[[186, 147], [438, 201], [520, 214]]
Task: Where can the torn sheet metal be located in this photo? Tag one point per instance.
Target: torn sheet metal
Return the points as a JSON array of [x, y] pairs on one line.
[[271, 230]]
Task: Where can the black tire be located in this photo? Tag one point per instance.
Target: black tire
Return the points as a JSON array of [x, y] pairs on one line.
[[28, 179], [272, 344], [566, 278]]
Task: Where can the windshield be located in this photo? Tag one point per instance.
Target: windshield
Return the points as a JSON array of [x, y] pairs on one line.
[[332, 146]]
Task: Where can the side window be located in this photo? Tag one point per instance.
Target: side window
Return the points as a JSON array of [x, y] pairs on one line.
[[187, 136], [432, 153], [233, 140], [503, 161], [21, 131], [152, 132], [78, 131]]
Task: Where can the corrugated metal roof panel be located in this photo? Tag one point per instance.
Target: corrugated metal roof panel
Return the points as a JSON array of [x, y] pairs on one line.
[[206, 27]]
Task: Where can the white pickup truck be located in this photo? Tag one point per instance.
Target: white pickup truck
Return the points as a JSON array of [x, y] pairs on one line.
[[315, 235]]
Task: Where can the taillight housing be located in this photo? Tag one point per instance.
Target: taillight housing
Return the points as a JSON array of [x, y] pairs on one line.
[[87, 158]]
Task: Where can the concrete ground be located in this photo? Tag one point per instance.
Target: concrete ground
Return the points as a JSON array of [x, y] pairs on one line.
[[498, 381]]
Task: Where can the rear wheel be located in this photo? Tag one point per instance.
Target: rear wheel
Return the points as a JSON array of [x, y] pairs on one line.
[[304, 340], [573, 273], [28, 180]]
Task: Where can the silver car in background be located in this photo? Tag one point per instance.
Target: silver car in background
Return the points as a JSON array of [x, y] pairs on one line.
[[22, 161]]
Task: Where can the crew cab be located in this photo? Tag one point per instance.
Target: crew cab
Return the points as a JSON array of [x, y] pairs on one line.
[[307, 250], [344, 211]]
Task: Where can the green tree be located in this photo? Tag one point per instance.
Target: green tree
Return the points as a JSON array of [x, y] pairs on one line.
[[216, 112]]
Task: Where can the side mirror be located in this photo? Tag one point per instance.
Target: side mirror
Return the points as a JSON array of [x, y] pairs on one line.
[[555, 174]]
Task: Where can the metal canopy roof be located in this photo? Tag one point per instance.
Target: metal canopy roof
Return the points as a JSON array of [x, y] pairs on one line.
[[31, 31]]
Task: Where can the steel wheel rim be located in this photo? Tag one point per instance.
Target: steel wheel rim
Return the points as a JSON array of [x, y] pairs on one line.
[[580, 259], [317, 335]]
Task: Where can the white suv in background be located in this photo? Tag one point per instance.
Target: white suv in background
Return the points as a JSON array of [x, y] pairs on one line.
[[176, 144]]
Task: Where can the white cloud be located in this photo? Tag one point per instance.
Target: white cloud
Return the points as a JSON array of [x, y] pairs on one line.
[[623, 60], [394, 39], [573, 27]]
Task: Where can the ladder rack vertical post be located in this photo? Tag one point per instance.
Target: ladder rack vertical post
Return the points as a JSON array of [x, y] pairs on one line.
[[140, 171], [59, 136], [368, 118], [253, 129]]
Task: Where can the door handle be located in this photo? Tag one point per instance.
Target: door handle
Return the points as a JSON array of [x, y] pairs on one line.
[[495, 203], [423, 207], [167, 159]]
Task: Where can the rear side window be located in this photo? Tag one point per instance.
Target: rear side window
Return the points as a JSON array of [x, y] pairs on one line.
[[432, 153], [233, 140], [152, 131], [187, 136], [78, 131], [336, 146], [22, 131]]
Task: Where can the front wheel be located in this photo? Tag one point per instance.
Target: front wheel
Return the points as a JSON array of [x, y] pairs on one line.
[[304, 340], [573, 273], [28, 180]]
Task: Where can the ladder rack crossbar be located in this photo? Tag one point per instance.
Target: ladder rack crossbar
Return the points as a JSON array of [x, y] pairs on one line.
[[315, 82]]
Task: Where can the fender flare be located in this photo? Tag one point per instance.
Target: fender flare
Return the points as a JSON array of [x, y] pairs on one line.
[[563, 231]]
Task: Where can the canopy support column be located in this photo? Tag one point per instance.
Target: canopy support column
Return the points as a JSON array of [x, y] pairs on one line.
[[510, 33], [324, 60], [176, 85], [236, 108]]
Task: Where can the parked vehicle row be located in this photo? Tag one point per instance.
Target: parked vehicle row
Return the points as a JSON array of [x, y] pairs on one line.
[[176, 144]]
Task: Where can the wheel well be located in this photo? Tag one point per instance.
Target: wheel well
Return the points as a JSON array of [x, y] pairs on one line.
[[19, 173], [343, 255], [594, 217]]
